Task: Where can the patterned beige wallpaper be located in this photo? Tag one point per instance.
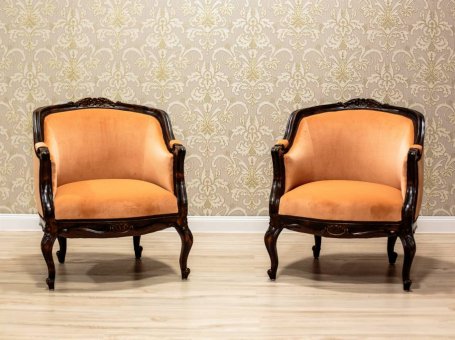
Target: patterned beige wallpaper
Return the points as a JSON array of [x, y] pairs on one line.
[[229, 73]]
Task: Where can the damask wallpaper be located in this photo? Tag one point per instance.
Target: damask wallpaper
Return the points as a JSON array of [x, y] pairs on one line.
[[229, 72]]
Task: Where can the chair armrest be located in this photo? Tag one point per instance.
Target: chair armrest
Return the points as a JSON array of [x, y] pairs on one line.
[[44, 196], [414, 183], [283, 142], [278, 151], [174, 142], [178, 151], [419, 149]]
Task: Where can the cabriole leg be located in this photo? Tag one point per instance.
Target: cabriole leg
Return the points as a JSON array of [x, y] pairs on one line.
[[409, 247], [270, 239], [47, 243], [137, 246], [317, 246], [187, 242], [62, 252], [391, 240]]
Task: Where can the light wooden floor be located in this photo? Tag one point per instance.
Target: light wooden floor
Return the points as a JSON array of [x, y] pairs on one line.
[[102, 292]]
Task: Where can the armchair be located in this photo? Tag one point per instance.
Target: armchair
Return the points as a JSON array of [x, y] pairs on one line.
[[105, 169], [349, 170]]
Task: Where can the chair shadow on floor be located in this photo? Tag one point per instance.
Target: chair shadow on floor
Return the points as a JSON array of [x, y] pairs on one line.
[[353, 268], [109, 271]]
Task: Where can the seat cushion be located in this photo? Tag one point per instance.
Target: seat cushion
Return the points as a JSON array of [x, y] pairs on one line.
[[343, 201], [112, 198]]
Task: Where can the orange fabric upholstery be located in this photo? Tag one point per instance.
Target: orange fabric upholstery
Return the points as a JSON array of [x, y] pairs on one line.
[[283, 142], [358, 145], [343, 201], [102, 143], [173, 142], [112, 198]]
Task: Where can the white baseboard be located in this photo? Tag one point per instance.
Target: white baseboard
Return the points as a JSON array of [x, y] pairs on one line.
[[225, 224]]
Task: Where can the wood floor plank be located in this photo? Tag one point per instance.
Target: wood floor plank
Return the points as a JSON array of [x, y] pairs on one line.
[[103, 292]]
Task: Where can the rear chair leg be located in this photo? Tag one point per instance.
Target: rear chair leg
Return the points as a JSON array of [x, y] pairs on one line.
[[391, 240], [317, 246], [137, 247], [62, 252]]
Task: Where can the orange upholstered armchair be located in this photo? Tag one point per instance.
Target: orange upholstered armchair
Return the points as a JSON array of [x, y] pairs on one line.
[[105, 169], [349, 170]]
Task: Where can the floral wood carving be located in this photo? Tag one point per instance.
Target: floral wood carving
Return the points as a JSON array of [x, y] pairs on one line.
[[336, 230], [95, 102], [361, 102], [120, 227]]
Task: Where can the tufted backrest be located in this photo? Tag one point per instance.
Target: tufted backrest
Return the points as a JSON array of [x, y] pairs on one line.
[[362, 144], [96, 143]]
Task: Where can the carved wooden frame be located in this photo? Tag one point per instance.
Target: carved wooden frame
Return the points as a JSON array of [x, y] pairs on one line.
[[403, 229], [62, 229]]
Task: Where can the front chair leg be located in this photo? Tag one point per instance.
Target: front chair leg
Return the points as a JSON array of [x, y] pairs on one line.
[[270, 239], [187, 242], [47, 243], [62, 252], [137, 247], [317, 246], [391, 240], [409, 247]]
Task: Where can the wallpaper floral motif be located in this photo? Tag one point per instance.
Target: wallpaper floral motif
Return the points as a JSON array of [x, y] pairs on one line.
[[229, 72]]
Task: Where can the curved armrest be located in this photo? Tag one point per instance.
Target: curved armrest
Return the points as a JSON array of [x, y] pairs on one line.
[[44, 180], [178, 151], [414, 183], [419, 149], [174, 142], [278, 151], [283, 142]]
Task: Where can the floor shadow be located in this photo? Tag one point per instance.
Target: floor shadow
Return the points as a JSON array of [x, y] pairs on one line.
[[110, 271], [352, 268]]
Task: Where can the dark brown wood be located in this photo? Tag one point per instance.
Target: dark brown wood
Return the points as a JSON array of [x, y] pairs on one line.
[[47, 242], [403, 229], [270, 240], [62, 252], [63, 229], [317, 246], [137, 246], [187, 242], [391, 240]]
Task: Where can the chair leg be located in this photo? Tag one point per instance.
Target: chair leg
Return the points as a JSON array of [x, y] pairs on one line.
[[391, 240], [137, 246], [62, 252], [409, 247], [47, 243], [270, 239], [317, 246], [187, 242]]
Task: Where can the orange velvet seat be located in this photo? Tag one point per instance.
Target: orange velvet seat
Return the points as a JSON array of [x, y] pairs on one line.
[[349, 170], [105, 169], [112, 198], [343, 201]]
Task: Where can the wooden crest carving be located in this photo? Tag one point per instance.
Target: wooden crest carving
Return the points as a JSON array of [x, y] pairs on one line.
[[94, 102], [122, 227], [361, 102], [336, 230]]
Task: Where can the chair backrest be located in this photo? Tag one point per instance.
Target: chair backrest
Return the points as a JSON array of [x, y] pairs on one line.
[[102, 142], [350, 144]]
